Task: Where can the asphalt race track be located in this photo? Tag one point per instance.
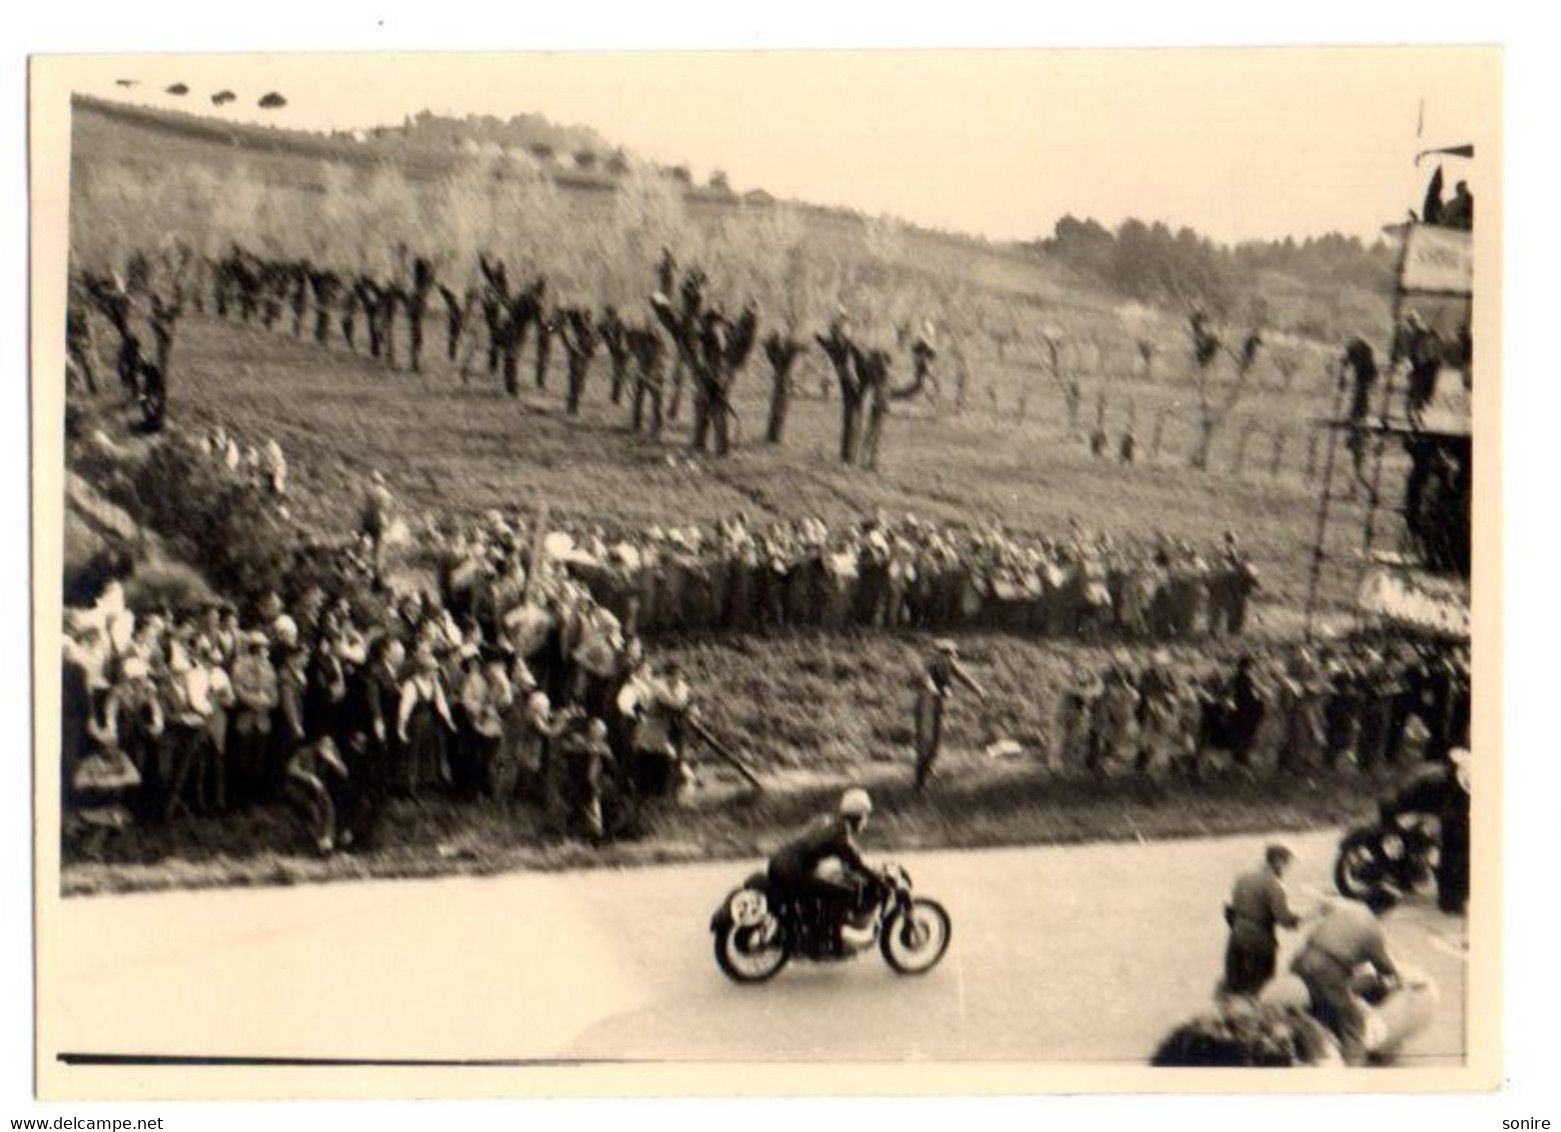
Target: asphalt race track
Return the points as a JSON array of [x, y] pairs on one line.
[[1059, 955]]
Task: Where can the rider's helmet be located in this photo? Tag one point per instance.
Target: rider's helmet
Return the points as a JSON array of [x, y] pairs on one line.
[[855, 805]]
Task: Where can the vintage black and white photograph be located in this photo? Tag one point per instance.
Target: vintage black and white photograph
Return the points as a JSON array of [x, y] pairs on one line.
[[765, 560]]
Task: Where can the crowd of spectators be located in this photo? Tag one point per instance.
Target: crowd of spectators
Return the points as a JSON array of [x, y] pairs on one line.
[[198, 713], [516, 668], [1347, 705], [337, 703], [879, 573]]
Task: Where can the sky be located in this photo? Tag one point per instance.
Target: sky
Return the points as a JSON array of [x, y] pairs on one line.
[[1236, 143]]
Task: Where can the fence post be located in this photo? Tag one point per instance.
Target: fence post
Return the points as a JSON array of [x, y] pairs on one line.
[[1279, 452], [1311, 455]]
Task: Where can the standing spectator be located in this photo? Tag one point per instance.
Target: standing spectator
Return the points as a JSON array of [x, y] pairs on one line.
[[132, 722], [1163, 735], [587, 758], [658, 706], [942, 672], [255, 691], [1115, 722], [362, 737], [1341, 712], [1301, 698], [1073, 721], [292, 721], [187, 710], [378, 514], [539, 766], [486, 699], [1258, 905], [1459, 212], [423, 722], [1247, 709]]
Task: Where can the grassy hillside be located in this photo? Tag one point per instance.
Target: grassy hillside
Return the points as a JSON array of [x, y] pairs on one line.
[[448, 446], [452, 446]]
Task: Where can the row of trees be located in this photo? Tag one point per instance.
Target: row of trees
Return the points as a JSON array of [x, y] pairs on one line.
[[593, 250]]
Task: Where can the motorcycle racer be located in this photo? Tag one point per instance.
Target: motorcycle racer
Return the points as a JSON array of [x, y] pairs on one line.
[[831, 837]]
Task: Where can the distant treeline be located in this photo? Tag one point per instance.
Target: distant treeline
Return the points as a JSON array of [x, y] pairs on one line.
[[531, 132], [1152, 263]]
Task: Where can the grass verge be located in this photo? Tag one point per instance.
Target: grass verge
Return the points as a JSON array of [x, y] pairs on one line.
[[1000, 806]]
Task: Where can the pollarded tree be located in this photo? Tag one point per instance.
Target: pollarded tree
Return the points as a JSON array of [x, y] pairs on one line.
[[1215, 401], [1055, 363]]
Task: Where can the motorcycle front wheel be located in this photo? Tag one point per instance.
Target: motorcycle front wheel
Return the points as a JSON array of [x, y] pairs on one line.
[[1358, 871], [915, 937], [754, 954]]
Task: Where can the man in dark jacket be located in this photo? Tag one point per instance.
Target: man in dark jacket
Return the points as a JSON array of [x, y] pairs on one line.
[[1258, 905], [794, 868]]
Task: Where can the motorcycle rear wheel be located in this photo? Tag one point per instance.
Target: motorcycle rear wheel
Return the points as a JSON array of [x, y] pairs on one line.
[[744, 956], [915, 937]]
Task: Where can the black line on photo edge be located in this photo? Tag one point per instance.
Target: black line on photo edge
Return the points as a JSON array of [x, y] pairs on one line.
[[284, 1061]]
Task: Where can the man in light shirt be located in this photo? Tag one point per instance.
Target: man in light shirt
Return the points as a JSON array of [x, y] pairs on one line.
[[1350, 936]]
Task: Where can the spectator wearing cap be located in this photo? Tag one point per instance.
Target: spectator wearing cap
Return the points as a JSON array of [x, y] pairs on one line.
[[1258, 907]]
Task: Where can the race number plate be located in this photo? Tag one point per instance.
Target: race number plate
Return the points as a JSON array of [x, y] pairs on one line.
[[748, 908]]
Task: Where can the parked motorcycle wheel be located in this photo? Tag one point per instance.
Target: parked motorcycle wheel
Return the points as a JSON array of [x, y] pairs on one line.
[[1358, 870], [915, 937], [750, 954]]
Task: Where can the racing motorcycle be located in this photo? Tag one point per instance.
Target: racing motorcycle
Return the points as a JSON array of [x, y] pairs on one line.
[[1396, 853], [758, 929]]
